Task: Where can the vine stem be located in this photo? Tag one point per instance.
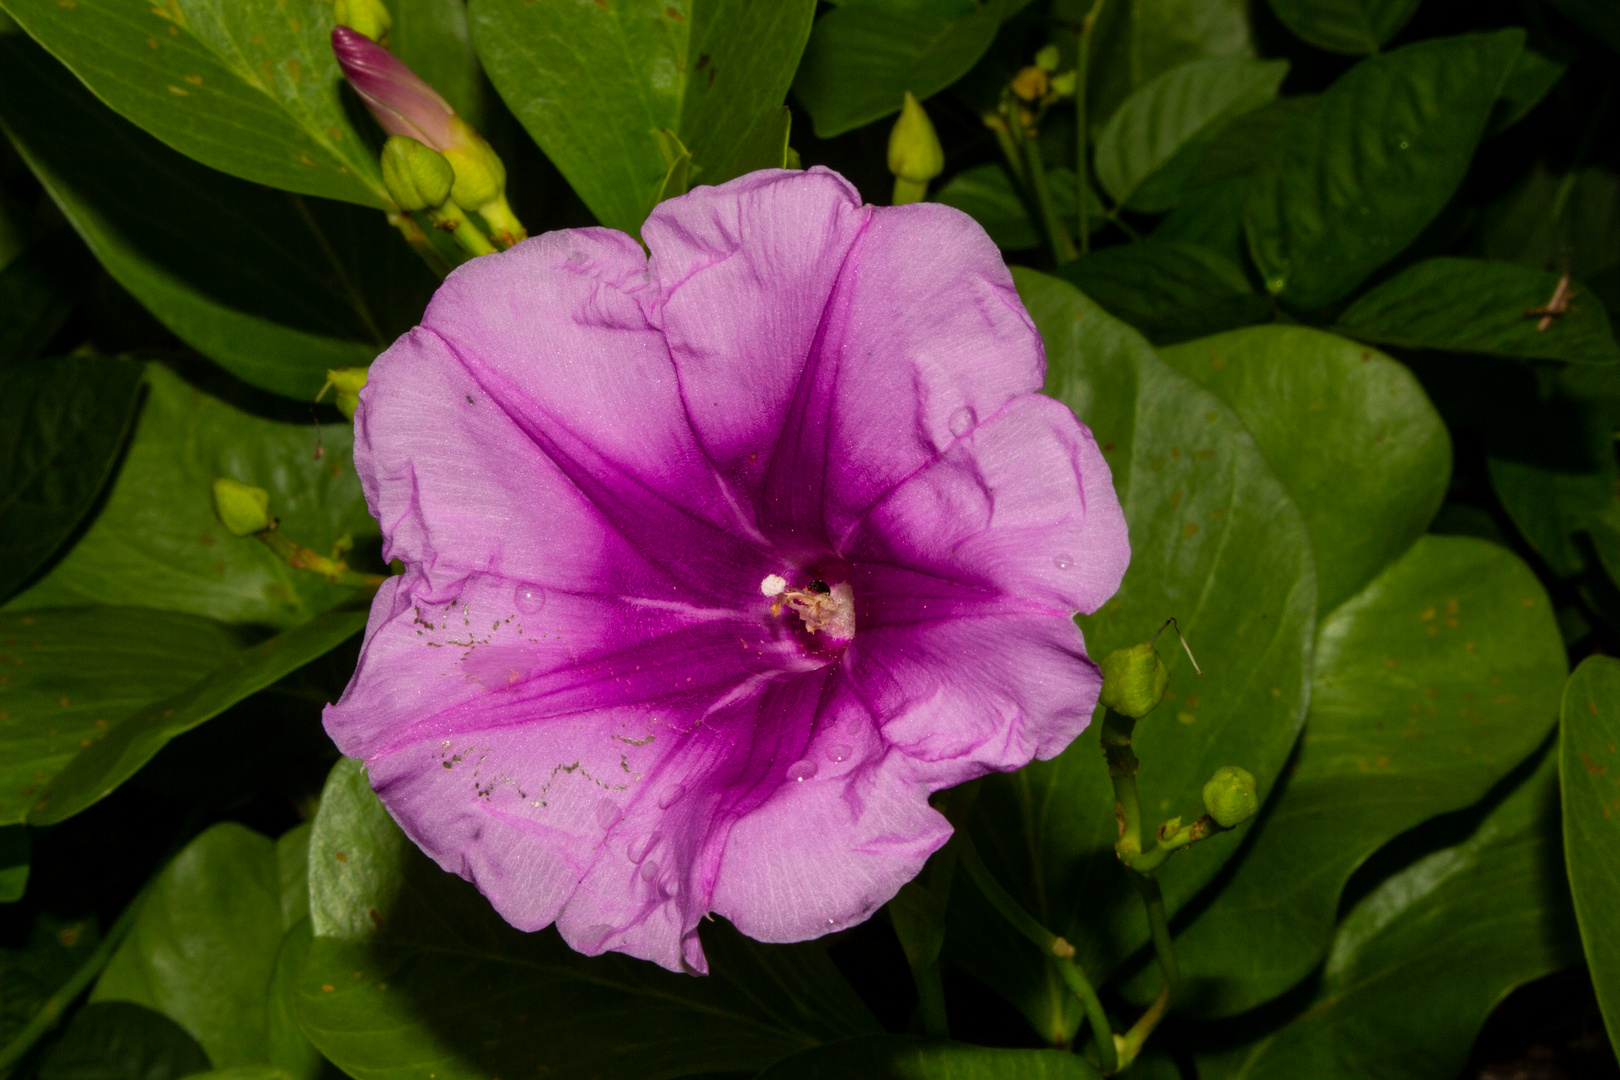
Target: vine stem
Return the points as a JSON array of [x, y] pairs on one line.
[[1059, 951], [1082, 134]]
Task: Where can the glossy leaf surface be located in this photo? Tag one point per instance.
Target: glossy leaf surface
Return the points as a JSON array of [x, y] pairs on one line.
[[275, 287], [1170, 118], [1169, 291], [1216, 543], [1345, 26], [443, 980], [249, 87], [157, 542], [74, 673], [62, 425], [1429, 686], [1417, 965], [899, 1057], [1590, 767], [593, 84], [1475, 306], [1348, 431], [1370, 165]]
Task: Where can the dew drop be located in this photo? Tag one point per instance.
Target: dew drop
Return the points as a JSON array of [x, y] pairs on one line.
[[671, 797], [839, 752], [529, 598], [801, 770], [642, 844], [607, 814], [649, 870], [1063, 562], [962, 421]]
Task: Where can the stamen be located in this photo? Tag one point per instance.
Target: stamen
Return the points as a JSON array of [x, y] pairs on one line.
[[826, 610]]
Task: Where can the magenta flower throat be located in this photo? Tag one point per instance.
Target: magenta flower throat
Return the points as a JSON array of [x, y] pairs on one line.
[[718, 563]]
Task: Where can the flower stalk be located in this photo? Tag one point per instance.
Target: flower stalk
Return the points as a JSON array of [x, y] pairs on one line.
[[1058, 951]]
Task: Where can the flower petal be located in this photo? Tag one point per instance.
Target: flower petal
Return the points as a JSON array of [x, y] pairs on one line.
[[923, 338]]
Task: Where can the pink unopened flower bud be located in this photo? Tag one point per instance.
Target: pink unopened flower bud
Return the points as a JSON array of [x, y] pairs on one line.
[[405, 105]]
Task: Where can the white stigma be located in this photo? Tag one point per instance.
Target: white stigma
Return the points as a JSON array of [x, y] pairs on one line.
[[773, 585]]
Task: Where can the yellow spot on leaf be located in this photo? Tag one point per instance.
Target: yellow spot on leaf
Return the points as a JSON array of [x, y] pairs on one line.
[[194, 80], [1189, 529], [295, 68]]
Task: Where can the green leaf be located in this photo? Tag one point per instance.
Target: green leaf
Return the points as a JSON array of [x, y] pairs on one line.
[[1136, 41], [204, 945], [1370, 165], [1590, 767], [1345, 26], [1557, 222], [38, 290], [1530, 79], [1150, 146], [156, 543], [1554, 473], [249, 87], [16, 850], [1475, 306], [72, 673], [1418, 964], [902, 1057], [431, 37], [1348, 431], [62, 425], [1169, 291], [55, 949], [119, 752], [986, 193], [1596, 17], [274, 287], [864, 55], [1429, 686], [1210, 217], [123, 1041], [764, 147], [444, 983], [1216, 543], [593, 84], [1242, 146]]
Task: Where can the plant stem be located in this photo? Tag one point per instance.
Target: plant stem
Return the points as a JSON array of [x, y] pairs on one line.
[[1082, 131], [1063, 249], [414, 236], [1051, 945], [1130, 1044], [1122, 766], [52, 1010], [1159, 927], [931, 1000]]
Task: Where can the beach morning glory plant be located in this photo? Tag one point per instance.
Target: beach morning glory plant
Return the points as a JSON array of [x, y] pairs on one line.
[[718, 563]]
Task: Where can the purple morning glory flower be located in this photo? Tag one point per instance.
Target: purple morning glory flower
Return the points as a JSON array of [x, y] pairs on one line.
[[719, 563]]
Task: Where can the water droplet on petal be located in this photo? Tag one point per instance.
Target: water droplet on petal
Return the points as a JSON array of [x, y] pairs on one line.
[[607, 814], [839, 751], [1063, 562], [649, 870], [962, 421], [642, 844], [529, 598], [801, 770], [671, 797]]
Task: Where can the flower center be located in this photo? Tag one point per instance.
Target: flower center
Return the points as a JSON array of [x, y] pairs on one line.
[[823, 608]]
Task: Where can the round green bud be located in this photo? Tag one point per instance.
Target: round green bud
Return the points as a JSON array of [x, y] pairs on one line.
[[417, 176], [480, 174], [367, 17], [1047, 59], [1134, 679], [347, 382], [914, 150], [1063, 85], [243, 508], [1230, 796]]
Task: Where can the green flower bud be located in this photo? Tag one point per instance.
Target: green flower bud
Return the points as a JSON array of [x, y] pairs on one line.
[[243, 508], [417, 176], [1134, 679], [1064, 85], [368, 17], [915, 156], [1230, 796], [1046, 59], [480, 175], [347, 382]]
